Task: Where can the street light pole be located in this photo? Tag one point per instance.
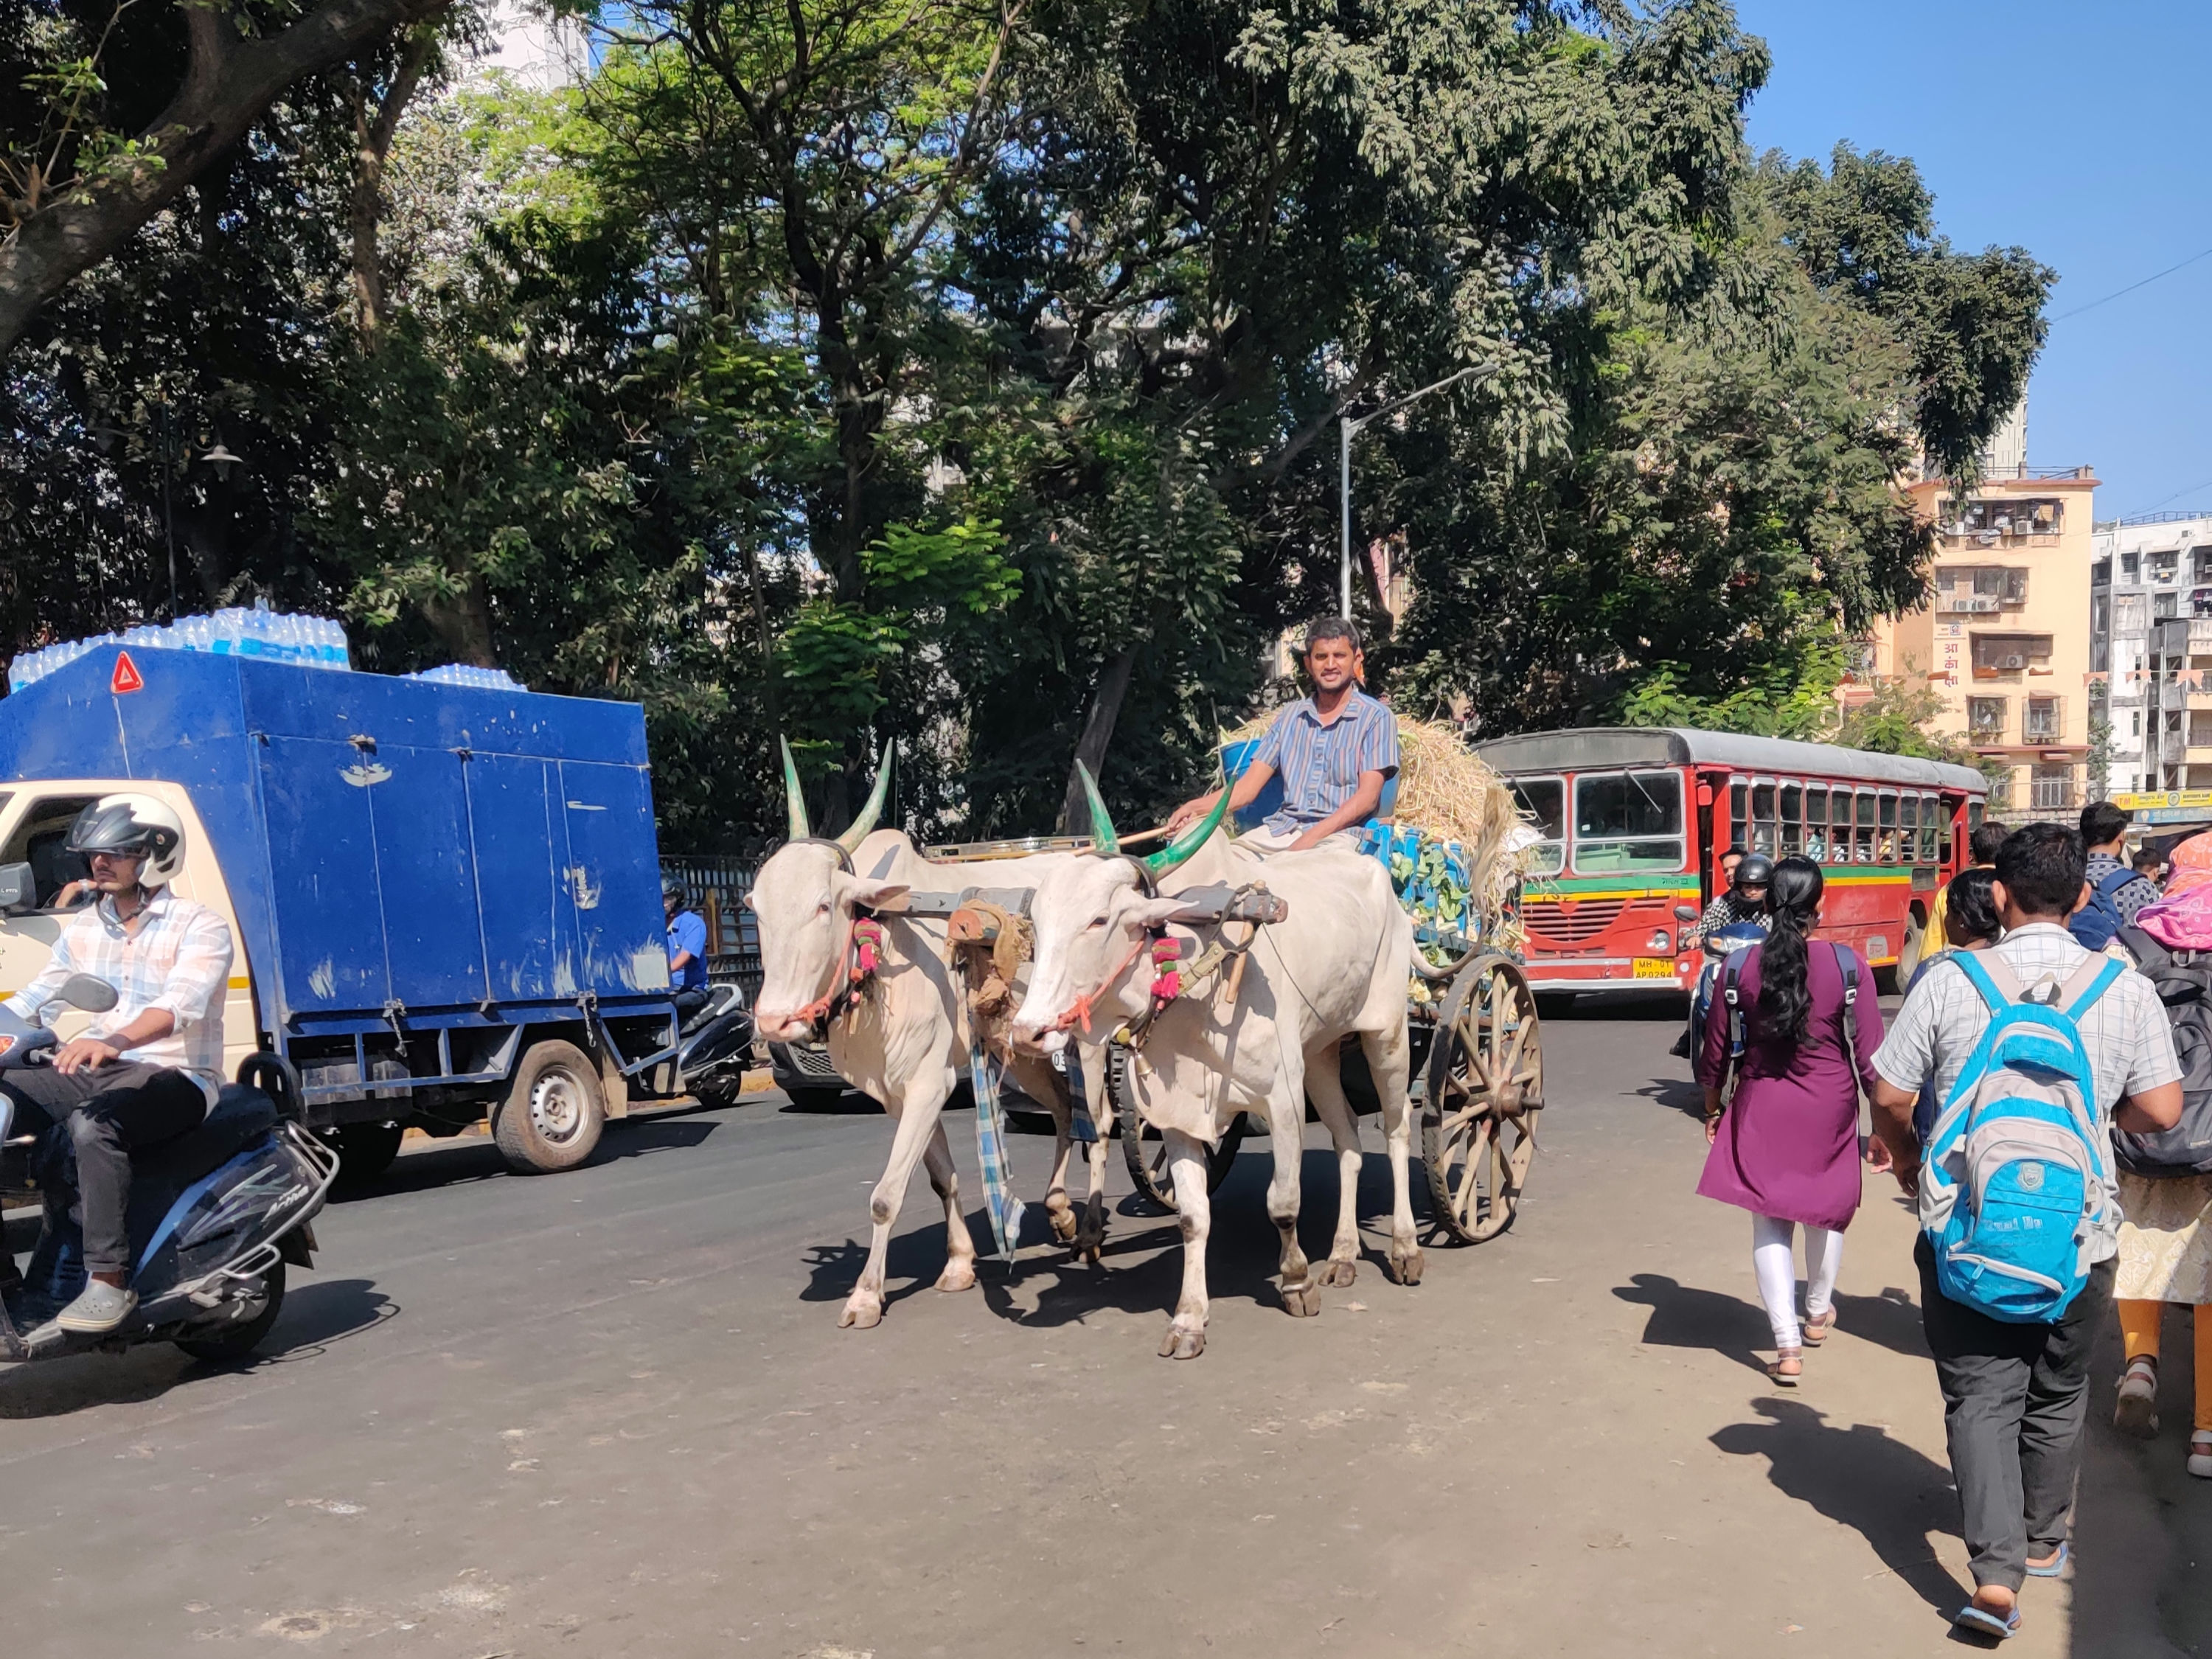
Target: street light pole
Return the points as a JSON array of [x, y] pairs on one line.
[[1349, 429]]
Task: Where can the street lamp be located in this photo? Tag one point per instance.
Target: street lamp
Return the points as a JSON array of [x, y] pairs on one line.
[[1351, 430]]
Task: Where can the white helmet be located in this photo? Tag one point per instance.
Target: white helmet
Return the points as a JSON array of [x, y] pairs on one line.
[[138, 826]]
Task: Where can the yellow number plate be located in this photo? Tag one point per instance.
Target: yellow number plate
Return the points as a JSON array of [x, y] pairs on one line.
[[1654, 968]]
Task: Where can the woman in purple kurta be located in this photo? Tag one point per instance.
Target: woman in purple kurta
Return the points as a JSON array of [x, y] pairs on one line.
[[1785, 1145]]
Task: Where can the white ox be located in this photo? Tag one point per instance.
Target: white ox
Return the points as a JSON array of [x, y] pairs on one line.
[[1336, 966], [904, 1041]]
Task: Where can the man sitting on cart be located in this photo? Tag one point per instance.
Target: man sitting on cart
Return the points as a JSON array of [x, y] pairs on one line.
[[1334, 751]]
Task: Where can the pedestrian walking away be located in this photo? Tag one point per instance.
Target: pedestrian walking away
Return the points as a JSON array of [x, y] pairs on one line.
[[2165, 1202], [1981, 848], [2015, 1393], [2117, 891], [1785, 1138], [1968, 905]]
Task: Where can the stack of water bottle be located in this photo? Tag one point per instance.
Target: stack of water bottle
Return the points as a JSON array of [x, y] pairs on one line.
[[462, 673], [272, 635]]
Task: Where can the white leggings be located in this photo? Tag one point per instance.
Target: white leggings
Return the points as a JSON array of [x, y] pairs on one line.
[[1774, 1260]]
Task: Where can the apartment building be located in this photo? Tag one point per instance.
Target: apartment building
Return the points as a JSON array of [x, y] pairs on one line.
[[2005, 641], [2150, 619]]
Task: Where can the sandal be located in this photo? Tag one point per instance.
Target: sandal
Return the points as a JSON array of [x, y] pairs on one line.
[[1983, 1622], [2056, 1566], [1818, 1328], [2136, 1412], [2200, 1454], [1788, 1366]]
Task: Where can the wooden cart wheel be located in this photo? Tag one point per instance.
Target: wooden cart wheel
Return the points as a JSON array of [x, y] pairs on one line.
[[1146, 1153], [1484, 1091]]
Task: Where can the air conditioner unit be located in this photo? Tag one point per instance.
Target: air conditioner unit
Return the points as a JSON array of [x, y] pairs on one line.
[[2015, 660]]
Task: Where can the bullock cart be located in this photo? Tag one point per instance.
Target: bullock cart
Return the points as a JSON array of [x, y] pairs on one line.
[[1478, 1072]]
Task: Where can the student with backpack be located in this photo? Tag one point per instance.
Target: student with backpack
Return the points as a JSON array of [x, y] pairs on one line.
[[2117, 891], [1800, 1023], [2165, 1196], [2020, 1215]]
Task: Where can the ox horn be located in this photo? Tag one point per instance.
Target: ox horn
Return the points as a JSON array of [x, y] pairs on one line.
[[1177, 852], [858, 830], [794, 800], [1103, 841]]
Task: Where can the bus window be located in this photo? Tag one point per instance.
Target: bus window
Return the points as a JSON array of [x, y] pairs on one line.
[[1931, 829], [1887, 850], [1816, 821], [1863, 847], [1793, 829], [1908, 829], [1762, 818], [1544, 801], [1973, 816], [1628, 821], [1739, 818]]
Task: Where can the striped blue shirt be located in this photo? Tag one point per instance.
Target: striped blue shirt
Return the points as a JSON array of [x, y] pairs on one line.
[[1320, 764]]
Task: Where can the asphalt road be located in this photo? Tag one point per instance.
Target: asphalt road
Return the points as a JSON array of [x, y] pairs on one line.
[[610, 1412]]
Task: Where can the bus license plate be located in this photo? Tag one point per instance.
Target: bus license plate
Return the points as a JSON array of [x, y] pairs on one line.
[[1654, 968]]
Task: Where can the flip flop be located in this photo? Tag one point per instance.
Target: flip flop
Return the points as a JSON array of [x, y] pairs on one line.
[[2054, 1568], [1985, 1623]]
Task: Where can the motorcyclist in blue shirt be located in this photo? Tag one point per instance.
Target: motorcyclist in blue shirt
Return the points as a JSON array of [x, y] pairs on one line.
[[687, 950]]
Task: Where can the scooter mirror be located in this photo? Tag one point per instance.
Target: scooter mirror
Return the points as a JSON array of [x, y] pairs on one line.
[[1686, 913], [94, 996], [19, 889]]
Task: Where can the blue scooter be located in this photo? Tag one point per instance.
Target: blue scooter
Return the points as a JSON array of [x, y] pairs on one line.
[[216, 1214]]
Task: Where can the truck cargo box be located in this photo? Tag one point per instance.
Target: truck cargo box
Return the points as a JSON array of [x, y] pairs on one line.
[[399, 854]]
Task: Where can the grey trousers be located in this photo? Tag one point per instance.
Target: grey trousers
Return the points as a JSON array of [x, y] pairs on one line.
[[2015, 1398], [110, 1113]]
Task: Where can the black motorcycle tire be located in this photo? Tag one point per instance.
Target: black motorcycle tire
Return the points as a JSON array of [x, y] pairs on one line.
[[237, 1342]]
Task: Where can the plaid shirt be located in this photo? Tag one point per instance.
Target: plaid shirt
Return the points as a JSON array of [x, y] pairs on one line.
[[1319, 765], [179, 959], [2125, 1030]]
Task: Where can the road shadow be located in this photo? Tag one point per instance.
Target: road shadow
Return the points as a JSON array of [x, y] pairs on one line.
[[471, 1157], [317, 1313], [1683, 1316], [826, 1102], [1883, 1489], [1637, 1006], [1679, 1093]]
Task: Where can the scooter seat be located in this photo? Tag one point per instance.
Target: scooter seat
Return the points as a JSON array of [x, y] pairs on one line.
[[241, 1116]]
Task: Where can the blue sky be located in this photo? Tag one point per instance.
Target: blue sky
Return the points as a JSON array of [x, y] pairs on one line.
[[2079, 131]]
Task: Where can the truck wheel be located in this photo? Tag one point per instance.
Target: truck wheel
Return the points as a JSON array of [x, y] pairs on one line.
[[366, 1151], [553, 1113], [227, 1345]]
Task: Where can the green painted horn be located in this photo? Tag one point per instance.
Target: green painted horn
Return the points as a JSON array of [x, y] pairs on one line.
[[1177, 852], [858, 830], [1103, 841], [795, 801]]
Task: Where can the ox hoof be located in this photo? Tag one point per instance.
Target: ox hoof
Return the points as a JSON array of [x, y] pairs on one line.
[[1088, 1256], [1302, 1301], [1064, 1225], [958, 1276], [1408, 1264], [861, 1314], [1339, 1273], [1183, 1343]]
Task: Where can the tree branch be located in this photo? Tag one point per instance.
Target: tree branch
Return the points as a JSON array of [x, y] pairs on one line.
[[228, 85]]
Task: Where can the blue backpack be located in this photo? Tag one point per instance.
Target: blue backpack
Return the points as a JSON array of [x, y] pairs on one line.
[[2094, 925], [2013, 1182]]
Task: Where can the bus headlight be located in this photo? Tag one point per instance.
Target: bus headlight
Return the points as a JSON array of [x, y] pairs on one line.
[[1662, 943]]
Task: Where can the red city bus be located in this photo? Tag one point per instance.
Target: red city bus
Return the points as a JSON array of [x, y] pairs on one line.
[[1634, 821]]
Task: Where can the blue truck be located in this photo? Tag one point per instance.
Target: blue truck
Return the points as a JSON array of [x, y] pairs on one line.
[[444, 899]]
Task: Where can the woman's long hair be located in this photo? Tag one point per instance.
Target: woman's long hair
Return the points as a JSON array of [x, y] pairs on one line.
[[1793, 904]]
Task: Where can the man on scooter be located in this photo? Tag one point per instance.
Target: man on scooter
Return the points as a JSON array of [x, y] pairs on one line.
[[153, 1067], [1744, 904]]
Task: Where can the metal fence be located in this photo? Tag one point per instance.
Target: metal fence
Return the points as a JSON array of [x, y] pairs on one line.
[[717, 887]]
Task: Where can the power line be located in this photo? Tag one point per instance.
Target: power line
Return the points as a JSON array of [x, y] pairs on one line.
[[2163, 500], [2132, 287]]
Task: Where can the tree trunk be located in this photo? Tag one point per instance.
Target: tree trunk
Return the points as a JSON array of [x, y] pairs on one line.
[[373, 137], [230, 83], [463, 623], [1106, 700]]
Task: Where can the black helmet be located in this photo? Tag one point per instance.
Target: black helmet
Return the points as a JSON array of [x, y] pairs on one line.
[[1756, 870], [672, 888], [136, 826]]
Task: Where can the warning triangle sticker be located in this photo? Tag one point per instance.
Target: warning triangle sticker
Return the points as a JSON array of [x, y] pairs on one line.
[[126, 677]]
